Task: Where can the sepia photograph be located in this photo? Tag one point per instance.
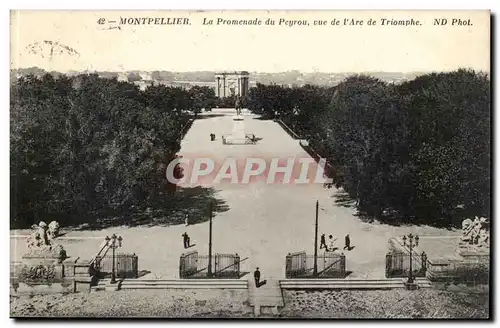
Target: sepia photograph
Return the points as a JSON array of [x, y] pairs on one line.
[[250, 164]]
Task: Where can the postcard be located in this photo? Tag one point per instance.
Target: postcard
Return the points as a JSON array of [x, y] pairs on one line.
[[250, 164]]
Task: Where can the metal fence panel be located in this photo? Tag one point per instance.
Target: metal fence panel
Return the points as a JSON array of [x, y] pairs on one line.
[[295, 264], [193, 265], [188, 264], [126, 265], [301, 265], [227, 265], [398, 264]]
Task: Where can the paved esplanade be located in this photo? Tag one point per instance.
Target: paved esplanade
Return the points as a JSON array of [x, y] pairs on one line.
[[266, 221]]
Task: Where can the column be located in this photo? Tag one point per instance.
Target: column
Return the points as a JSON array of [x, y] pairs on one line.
[[218, 86], [243, 86], [225, 86]]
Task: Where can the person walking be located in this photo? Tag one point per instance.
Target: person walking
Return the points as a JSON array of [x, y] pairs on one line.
[[185, 239], [331, 243], [347, 242], [323, 243]]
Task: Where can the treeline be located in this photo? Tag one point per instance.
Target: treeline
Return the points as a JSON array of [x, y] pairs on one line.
[[87, 148], [416, 152]]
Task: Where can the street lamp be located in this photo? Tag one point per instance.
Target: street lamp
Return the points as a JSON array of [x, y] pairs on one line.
[[315, 265], [114, 245], [210, 209], [412, 242]]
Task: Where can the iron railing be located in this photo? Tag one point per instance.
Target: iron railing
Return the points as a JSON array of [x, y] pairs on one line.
[[301, 265], [193, 265], [397, 264], [126, 266]]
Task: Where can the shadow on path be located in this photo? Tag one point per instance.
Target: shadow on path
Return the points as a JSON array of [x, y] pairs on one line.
[[343, 199], [206, 116], [393, 218], [169, 210]]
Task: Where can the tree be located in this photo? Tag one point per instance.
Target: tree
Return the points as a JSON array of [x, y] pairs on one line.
[[419, 151], [85, 149]]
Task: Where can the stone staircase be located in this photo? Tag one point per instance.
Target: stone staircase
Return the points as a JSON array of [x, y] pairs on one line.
[[267, 299], [171, 284]]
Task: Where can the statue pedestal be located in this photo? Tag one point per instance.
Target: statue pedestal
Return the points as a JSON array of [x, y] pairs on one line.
[[40, 266], [238, 136], [471, 253], [47, 253]]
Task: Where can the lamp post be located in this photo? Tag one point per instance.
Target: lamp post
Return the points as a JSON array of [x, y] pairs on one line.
[[114, 245], [412, 242], [315, 267], [209, 269]]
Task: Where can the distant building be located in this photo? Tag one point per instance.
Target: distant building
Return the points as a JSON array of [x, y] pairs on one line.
[[144, 84], [122, 77], [232, 84], [146, 76]]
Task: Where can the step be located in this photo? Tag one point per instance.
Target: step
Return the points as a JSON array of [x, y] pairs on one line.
[[176, 284], [184, 283], [268, 295], [181, 281], [346, 283], [340, 287], [182, 287]]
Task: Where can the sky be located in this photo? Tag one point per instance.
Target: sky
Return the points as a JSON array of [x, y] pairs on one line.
[[195, 47]]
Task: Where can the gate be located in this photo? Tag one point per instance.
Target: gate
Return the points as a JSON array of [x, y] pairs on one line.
[[397, 264], [301, 265], [188, 264], [126, 265], [331, 265], [227, 265], [193, 265], [295, 264]]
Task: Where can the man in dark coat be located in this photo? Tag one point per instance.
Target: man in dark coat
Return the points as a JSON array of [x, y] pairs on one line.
[[323, 242], [185, 238], [347, 242], [256, 276]]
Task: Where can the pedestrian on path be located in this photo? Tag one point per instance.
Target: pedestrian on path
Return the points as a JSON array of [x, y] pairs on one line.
[[185, 238], [323, 243], [331, 243], [347, 242], [256, 276]]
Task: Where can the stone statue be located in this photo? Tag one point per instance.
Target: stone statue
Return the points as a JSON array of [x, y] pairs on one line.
[[53, 231], [39, 242], [39, 239], [475, 232]]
